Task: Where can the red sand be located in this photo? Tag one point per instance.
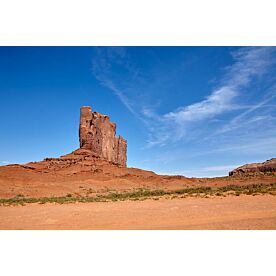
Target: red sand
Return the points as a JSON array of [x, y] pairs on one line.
[[231, 212]]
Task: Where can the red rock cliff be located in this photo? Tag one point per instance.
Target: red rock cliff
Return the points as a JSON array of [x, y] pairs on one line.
[[98, 134], [268, 166]]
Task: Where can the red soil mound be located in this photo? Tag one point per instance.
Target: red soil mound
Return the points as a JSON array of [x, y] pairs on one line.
[[83, 173]]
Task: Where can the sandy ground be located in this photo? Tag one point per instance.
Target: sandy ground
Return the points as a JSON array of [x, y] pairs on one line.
[[232, 212]]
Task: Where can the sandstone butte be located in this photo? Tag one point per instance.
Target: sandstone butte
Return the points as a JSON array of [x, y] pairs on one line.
[[98, 135], [100, 165]]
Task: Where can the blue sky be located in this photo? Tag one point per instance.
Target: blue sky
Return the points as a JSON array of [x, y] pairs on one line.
[[196, 111]]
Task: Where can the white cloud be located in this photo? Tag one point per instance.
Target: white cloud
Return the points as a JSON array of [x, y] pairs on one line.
[[246, 117], [5, 162], [219, 101], [249, 63]]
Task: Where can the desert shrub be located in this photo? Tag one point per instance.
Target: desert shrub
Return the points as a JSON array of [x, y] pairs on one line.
[[139, 194]]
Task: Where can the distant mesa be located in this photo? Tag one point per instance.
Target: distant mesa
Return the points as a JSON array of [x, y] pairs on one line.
[[98, 135], [268, 166]]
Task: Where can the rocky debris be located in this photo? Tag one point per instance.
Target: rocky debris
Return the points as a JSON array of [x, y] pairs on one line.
[[98, 134], [268, 166], [84, 164], [77, 162]]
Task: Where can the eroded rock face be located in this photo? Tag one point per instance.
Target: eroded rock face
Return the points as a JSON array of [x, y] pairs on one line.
[[98, 134], [268, 166]]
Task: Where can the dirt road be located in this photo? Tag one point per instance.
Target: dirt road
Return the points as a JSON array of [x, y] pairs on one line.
[[232, 212]]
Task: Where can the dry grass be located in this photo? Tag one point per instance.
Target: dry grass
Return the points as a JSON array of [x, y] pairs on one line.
[[143, 194]]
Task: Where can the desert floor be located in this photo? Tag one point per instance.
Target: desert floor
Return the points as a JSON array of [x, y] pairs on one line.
[[231, 212]]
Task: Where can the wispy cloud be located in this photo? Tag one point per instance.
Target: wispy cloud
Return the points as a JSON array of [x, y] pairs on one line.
[[103, 64], [249, 63], [246, 117], [218, 102], [5, 162]]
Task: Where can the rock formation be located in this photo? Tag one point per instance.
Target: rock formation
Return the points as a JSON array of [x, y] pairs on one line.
[[265, 167], [98, 134]]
